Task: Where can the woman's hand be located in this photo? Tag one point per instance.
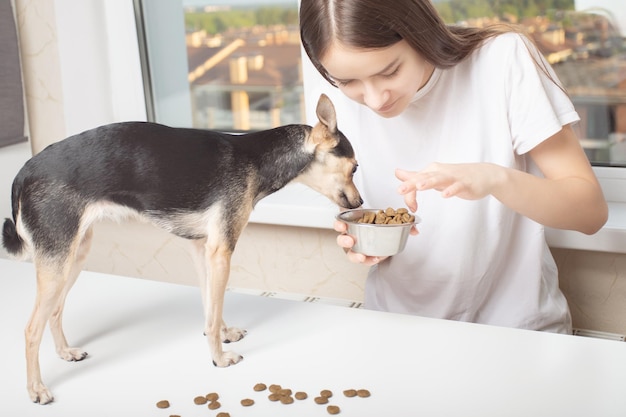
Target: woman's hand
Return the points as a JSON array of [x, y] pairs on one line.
[[467, 181], [347, 242]]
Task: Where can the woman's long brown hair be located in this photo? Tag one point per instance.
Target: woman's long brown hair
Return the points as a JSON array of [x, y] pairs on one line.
[[373, 24]]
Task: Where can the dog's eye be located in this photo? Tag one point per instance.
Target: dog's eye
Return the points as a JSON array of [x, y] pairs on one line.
[[354, 169]]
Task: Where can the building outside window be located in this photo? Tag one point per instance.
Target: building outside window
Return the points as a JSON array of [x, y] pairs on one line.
[[245, 61]]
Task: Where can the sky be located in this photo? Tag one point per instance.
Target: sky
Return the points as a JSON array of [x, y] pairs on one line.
[[616, 7]]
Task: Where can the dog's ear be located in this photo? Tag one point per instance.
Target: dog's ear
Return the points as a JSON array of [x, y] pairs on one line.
[[326, 113]]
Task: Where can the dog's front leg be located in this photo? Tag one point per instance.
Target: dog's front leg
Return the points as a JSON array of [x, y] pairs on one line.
[[219, 261], [201, 262]]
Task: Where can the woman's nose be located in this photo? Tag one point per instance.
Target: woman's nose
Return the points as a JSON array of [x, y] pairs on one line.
[[374, 97]]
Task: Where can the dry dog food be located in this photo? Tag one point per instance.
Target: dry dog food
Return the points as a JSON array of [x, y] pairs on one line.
[[350, 393], [163, 404], [212, 396], [273, 397], [321, 400], [275, 388], [214, 405], [301, 395], [286, 400], [388, 216], [260, 387], [199, 400], [277, 393], [363, 393]]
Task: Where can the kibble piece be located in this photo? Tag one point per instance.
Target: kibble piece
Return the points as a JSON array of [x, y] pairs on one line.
[[174, 415], [321, 400], [286, 400], [273, 397], [214, 405], [326, 393], [199, 400], [260, 387], [247, 402], [284, 391], [212, 396], [350, 393], [222, 415], [163, 404], [333, 409], [300, 395], [275, 388], [363, 393]]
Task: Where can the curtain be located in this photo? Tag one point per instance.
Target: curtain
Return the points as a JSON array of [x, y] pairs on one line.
[[11, 93]]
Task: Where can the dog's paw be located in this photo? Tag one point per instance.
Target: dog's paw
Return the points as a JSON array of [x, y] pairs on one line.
[[227, 359], [72, 354], [232, 334], [40, 394]]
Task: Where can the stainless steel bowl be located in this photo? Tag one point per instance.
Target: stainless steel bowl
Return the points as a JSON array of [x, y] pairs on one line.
[[376, 239]]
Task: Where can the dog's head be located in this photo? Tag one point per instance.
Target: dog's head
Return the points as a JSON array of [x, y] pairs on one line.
[[332, 170]]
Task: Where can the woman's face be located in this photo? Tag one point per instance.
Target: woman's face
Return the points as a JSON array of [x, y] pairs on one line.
[[384, 80]]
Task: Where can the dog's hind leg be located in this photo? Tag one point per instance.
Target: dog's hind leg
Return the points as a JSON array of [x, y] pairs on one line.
[[56, 320], [50, 282], [55, 277]]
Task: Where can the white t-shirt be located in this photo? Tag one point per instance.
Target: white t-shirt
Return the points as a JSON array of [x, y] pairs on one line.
[[475, 261]]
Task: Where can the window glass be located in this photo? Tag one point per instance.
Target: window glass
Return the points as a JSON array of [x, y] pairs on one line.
[[245, 71], [244, 63]]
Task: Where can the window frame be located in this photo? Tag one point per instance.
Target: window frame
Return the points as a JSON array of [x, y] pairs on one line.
[[119, 94]]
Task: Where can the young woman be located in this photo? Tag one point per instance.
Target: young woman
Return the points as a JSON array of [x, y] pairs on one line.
[[470, 128]]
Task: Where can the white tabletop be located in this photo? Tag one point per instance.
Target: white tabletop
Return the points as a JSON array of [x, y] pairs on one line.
[[145, 344]]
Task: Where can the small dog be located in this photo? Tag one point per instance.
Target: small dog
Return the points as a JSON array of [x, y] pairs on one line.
[[197, 184]]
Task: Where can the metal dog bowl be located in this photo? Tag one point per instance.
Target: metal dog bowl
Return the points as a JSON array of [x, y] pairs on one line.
[[375, 239]]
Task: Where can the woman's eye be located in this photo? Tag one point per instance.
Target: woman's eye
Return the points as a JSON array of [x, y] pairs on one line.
[[392, 74]]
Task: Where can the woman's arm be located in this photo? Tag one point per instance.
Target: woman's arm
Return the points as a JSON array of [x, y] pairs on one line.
[[569, 197]]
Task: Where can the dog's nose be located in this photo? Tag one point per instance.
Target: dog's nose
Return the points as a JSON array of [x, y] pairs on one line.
[[355, 203]]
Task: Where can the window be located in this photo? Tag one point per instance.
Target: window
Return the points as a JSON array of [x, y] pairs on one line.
[[243, 64]]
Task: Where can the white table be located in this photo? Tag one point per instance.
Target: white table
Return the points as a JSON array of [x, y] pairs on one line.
[[145, 344]]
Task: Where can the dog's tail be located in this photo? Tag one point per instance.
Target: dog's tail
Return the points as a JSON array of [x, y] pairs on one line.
[[11, 240]]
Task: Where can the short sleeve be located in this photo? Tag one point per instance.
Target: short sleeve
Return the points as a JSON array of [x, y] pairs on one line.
[[537, 106]]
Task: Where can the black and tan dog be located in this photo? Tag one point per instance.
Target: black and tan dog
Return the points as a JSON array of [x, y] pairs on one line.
[[197, 184]]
